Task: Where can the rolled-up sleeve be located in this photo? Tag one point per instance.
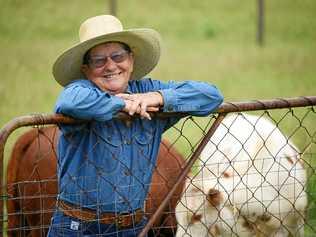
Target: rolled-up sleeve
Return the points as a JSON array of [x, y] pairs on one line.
[[83, 101], [196, 98]]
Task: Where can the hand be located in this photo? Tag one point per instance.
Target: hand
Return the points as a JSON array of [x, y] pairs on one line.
[[142, 103]]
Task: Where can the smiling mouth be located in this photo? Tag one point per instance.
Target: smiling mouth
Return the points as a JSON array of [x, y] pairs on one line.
[[112, 75]]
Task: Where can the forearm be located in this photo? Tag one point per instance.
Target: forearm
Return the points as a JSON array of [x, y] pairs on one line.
[[89, 104], [197, 98]]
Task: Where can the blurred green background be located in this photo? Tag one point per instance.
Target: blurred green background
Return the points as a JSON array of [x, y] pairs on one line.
[[203, 40]]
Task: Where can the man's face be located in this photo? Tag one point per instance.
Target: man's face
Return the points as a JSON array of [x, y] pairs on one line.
[[110, 67]]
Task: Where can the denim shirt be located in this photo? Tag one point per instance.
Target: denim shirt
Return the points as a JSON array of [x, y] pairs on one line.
[[107, 165]]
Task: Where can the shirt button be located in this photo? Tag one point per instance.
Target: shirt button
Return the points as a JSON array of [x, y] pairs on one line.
[[170, 108], [127, 173], [127, 142]]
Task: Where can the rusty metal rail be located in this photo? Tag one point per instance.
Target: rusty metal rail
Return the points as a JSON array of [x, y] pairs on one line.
[[228, 107], [223, 110]]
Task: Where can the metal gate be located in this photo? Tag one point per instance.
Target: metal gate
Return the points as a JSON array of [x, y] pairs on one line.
[[250, 171]]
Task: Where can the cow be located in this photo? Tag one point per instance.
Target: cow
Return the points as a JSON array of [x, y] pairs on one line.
[[32, 184], [251, 182]]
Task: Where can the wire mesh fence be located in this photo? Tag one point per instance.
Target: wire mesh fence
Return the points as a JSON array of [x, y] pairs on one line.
[[232, 173], [251, 180], [32, 184]]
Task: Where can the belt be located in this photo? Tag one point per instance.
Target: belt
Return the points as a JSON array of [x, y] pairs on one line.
[[123, 220]]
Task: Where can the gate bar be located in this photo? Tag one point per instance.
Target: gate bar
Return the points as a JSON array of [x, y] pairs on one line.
[[183, 174], [42, 119]]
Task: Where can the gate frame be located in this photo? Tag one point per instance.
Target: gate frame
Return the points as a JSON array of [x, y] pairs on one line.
[[222, 111]]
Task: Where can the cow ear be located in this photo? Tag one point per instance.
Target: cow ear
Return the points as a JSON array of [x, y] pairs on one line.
[[214, 197]]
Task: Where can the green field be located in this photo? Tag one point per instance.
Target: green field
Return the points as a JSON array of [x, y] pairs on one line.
[[204, 40]]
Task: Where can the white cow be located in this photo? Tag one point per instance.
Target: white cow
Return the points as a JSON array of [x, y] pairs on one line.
[[207, 212], [258, 175]]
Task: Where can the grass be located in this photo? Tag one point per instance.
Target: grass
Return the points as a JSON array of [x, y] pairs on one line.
[[212, 41], [206, 40]]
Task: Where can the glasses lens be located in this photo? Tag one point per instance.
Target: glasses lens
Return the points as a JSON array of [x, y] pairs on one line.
[[100, 61], [97, 62], [118, 57]]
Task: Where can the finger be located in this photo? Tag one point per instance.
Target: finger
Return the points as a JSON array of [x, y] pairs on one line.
[[124, 96], [134, 107], [152, 109], [146, 115], [143, 109], [127, 106], [138, 110]]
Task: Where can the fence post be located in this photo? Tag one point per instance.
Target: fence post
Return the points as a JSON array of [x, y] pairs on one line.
[[260, 22], [113, 7]]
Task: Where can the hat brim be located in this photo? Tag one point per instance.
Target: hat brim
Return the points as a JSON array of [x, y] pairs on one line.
[[144, 43]]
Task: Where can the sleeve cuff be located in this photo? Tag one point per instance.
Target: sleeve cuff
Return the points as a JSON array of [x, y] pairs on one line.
[[169, 100]]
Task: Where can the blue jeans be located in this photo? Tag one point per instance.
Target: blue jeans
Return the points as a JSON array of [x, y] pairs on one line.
[[66, 226]]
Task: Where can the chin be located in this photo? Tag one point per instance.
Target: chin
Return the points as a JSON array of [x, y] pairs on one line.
[[114, 91]]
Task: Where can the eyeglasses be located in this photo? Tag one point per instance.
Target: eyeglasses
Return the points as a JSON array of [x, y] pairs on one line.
[[100, 61]]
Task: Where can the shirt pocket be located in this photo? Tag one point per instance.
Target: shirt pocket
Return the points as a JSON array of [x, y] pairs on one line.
[[107, 148], [144, 144]]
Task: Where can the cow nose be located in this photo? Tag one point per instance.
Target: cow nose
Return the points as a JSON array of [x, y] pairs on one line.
[[214, 197]]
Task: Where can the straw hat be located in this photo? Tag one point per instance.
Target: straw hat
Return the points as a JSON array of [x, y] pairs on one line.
[[144, 43]]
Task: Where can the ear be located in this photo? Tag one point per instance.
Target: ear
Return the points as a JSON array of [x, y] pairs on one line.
[[214, 197], [84, 69], [131, 58]]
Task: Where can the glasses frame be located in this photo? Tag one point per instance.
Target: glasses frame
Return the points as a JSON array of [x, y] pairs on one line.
[[116, 57]]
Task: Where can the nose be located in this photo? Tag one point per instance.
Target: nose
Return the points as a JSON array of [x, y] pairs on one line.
[[214, 197], [109, 65]]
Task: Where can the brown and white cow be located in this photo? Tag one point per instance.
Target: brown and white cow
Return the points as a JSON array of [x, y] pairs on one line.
[[32, 185]]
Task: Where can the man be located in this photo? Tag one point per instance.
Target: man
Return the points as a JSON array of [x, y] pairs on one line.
[[105, 165]]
